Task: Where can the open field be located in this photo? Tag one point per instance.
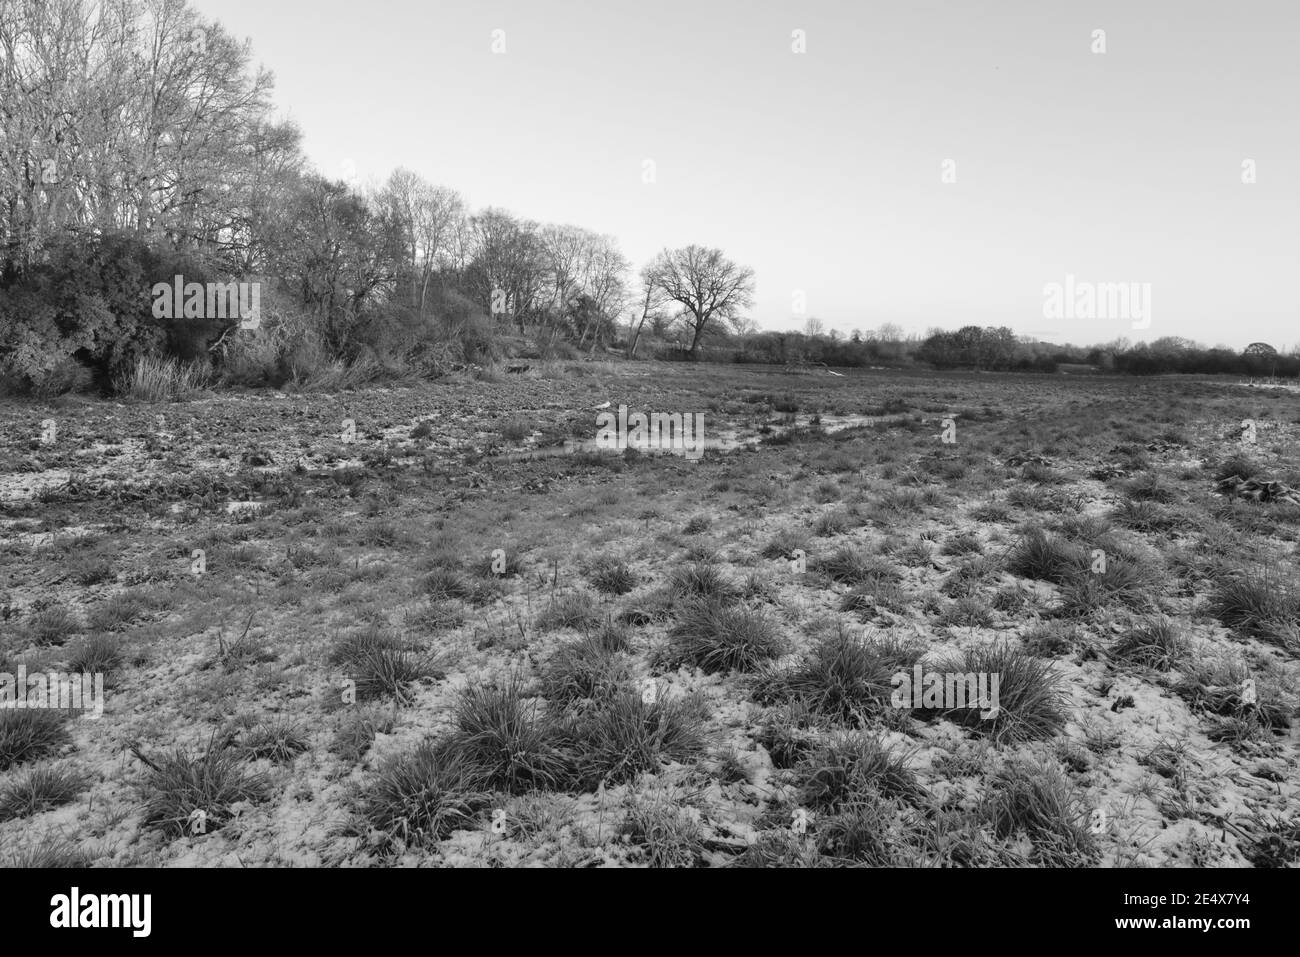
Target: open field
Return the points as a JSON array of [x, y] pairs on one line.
[[386, 628]]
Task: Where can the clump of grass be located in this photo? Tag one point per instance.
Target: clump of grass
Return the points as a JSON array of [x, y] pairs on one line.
[[1030, 702], [443, 584], [968, 612], [52, 626], [1272, 840], [697, 524], [613, 578], [784, 733], [161, 380], [496, 565], [850, 566], [859, 832], [1145, 516], [1037, 800], [785, 543], [667, 835], [506, 741], [846, 677], [715, 637], [356, 734], [382, 665], [516, 428], [51, 854], [1238, 464], [29, 734], [701, 580], [178, 784], [422, 796], [115, 612], [585, 670], [964, 543], [628, 735], [969, 578], [854, 767], [1148, 488], [1041, 557], [1218, 686], [835, 522], [278, 739], [1156, 644], [780, 848], [98, 654], [1040, 474], [871, 597], [1260, 602], [39, 789], [574, 609], [1123, 580], [990, 513], [90, 569], [1049, 639]]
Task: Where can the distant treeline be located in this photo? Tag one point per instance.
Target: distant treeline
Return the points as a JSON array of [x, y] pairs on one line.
[[999, 349]]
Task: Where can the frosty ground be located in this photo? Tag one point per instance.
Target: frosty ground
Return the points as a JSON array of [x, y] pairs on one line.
[[432, 625]]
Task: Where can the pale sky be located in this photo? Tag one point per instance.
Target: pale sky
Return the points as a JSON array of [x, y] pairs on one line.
[[822, 170]]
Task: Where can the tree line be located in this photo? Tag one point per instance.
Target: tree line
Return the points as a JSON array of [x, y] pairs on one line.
[[139, 143]]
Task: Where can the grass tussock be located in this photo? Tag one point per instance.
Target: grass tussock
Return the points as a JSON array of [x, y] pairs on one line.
[[629, 735], [715, 637], [182, 790], [421, 797], [30, 734], [846, 678], [39, 789], [853, 768], [1030, 701], [1036, 801]]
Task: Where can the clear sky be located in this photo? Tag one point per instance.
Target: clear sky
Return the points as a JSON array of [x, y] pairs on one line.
[[822, 170]]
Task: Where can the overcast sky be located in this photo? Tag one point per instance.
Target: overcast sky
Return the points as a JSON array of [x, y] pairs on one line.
[[823, 170]]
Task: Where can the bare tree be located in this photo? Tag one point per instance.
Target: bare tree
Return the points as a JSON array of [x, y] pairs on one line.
[[707, 284], [651, 301]]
